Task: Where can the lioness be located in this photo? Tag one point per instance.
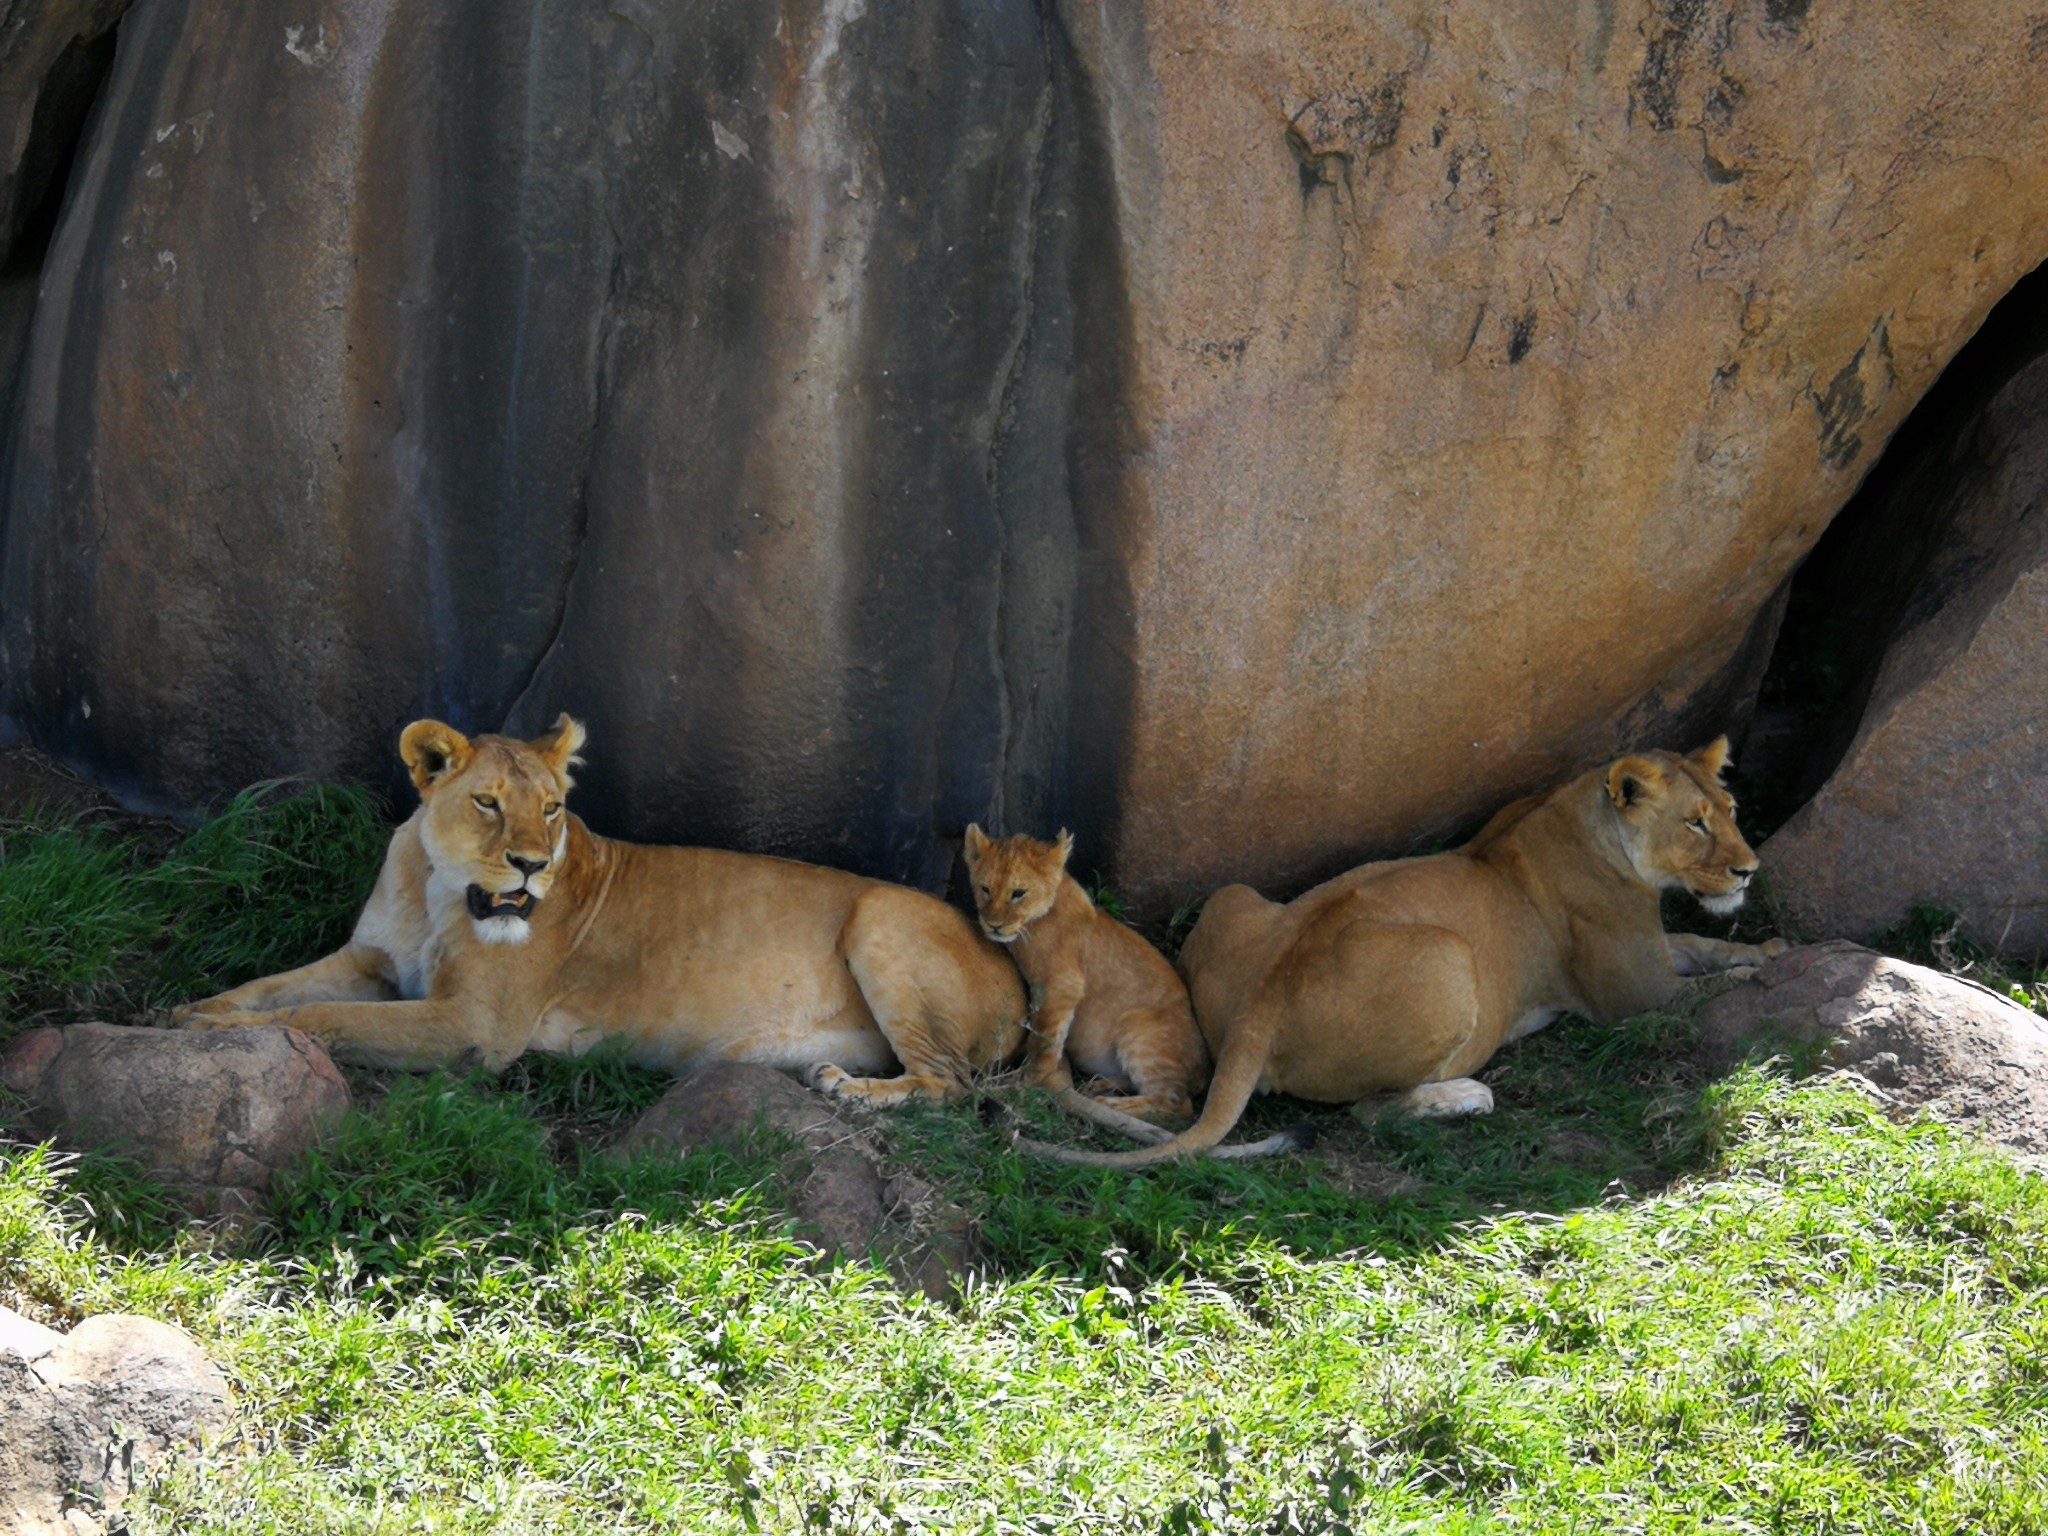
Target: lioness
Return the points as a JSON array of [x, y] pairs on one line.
[[502, 924], [1409, 974], [1101, 997]]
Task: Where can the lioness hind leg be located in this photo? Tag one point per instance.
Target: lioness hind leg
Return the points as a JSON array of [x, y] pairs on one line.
[[1454, 1099], [946, 1002]]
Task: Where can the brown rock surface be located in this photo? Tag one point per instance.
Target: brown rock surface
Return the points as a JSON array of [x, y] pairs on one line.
[[1488, 369], [838, 1188], [82, 1420], [1942, 796], [1920, 1037], [1311, 420], [213, 1115]]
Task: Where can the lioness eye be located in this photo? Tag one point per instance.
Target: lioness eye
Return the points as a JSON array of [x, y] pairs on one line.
[[1018, 894], [552, 810], [984, 892], [1698, 824], [484, 802]]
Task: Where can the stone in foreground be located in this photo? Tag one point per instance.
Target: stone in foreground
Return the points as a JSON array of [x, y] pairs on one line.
[[1922, 1038], [212, 1115], [837, 1187], [84, 1414]]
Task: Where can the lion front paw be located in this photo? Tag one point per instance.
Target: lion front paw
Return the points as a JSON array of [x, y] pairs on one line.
[[1773, 948], [827, 1078]]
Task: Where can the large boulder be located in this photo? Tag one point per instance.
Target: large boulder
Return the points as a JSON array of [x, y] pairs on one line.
[[492, 359], [1942, 796], [1320, 420], [836, 1178], [1486, 369], [1921, 1038], [213, 1115], [84, 1415]]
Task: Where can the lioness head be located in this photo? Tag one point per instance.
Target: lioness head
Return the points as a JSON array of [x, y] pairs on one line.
[[1015, 880], [1678, 824], [494, 826]]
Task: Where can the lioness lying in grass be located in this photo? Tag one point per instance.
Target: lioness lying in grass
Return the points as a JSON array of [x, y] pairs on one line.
[[501, 924], [1405, 976]]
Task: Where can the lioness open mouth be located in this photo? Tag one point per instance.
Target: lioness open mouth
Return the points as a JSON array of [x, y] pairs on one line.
[[483, 903]]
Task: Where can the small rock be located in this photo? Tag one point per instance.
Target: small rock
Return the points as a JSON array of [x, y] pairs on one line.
[[212, 1114], [83, 1417], [1924, 1039], [836, 1185]]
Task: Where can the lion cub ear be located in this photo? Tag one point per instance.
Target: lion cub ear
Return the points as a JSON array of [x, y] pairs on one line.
[[977, 842], [1062, 846], [1714, 758], [1633, 780], [431, 751], [559, 747]]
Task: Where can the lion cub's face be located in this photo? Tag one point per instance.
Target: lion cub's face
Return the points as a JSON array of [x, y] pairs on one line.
[[1015, 880], [1678, 824], [495, 829]]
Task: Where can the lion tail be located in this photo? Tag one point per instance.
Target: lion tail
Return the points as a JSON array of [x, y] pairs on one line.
[[1237, 1078]]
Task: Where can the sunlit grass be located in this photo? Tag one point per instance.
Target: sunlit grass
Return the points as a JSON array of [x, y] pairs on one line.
[[1630, 1301]]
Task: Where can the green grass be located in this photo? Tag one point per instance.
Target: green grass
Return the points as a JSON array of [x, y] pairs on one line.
[[1630, 1301], [97, 924]]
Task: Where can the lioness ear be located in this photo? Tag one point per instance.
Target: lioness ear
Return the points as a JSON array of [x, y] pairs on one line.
[[559, 747], [1062, 846], [1631, 780], [431, 751], [1714, 757]]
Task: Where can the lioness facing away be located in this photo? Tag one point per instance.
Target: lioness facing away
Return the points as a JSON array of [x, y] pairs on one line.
[[1407, 975], [501, 924], [1102, 998]]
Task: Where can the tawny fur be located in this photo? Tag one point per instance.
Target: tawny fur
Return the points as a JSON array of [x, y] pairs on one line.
[[685, 954], [1414, 972], [1104, 1003]]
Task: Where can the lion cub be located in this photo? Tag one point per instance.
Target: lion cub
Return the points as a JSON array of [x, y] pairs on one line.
[[1100, 995]]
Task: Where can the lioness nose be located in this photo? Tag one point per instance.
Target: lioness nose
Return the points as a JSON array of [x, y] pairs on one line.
[[1745, 872], [524, 865]]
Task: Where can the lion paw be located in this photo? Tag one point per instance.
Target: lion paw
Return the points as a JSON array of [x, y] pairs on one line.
[[1774, 947], [1453, 1099], [827, 1078]]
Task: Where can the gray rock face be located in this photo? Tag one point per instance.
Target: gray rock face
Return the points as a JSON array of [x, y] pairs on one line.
[[1943, 795], [837, 1187], [492, 360], [214, 1115], [1920, 1037], [83, 1415]]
